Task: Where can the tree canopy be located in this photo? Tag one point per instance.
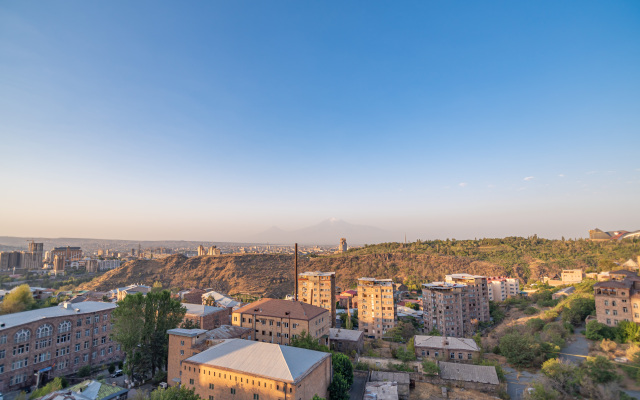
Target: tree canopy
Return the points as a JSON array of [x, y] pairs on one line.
[[18, 300]]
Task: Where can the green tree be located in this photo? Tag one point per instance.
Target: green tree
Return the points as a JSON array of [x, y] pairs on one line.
[[402, 332], [598, 331], [140, 326], [520, 350], [306, 341], [342, 365], [562, 374], [18, 300], [430, 367], [628, 331], [316, 397], [577, 310], [157, 286], [189, 324], [339, 388], [176, 392], [601, 370], [540, 392], [535, 324], [84, 371]]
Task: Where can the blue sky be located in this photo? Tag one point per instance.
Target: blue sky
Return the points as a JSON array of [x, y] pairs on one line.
[[216, 120]]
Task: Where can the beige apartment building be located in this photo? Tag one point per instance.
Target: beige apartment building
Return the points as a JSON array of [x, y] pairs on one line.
[[376, 306], [477, 296], [566, 277], [501, 287], [443, 310], [278, 321], [248, 370], [618, 299], [319, 289]]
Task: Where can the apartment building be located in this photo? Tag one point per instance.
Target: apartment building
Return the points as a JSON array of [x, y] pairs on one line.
[[618, 299], [477, 295], [502, 287], [55, 341], [243, 370], [566, 277], [376, 306], [319, 289], [443, 308], [278, 321]]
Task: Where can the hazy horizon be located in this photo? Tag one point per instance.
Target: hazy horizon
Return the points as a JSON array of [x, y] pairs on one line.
[[148, 121]]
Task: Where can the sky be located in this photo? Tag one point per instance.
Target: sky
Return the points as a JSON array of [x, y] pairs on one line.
[[215, 120]]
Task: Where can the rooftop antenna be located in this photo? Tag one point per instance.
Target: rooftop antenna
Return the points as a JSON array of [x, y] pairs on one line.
[[295, 294]]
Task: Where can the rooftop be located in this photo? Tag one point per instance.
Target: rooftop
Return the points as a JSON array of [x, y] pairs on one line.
[[383, 282], [282, 309], [442, 285], [345, 334], [464, 276], [186, 332], [444, 342], [268, 360], [199, 309], [317, 273], [227, 332], [220, 298], [468, 372], [98, 391], [9, 321]]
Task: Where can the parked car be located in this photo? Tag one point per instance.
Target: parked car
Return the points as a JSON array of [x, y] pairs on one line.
[[117, 373]]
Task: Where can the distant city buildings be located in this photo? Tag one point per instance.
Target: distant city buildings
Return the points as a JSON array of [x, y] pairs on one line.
[[319, 289], [211, 251], [598, 235], [566, 277], [376, 306]]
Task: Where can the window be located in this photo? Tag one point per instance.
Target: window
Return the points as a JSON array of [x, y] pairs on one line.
[[191, 381], [96, 318], [233, 391], [78, 335], [88, 321], [624, 309], [22, 335], [210, 397], [469, 356], [3, 339], [615, 312], [256, 397], [103, 340], [211, 386], [64, 327], [181, 352], [44, 331], [87, 332], [182, 343], [606, 302], [79, 323], [453, 355], [613, 303], [77, 346]]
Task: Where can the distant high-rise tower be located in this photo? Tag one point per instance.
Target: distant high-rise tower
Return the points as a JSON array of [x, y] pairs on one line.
[[58, 264], [201, 251], [32, 259], [343, 246]]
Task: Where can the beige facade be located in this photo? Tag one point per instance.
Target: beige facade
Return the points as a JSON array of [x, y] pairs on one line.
[[501, 287], [476, 296], [278, 321], [319, 289], [376, 306], [446, 348], [618, 300], [242, 369]]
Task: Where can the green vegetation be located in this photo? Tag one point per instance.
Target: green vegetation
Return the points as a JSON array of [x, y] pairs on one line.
[[402, 332], [18, 300], [405, 354], [55, 385], [140, 326], [306, 341], [430, 368], [177, 392], [339, 388], [84, 371]]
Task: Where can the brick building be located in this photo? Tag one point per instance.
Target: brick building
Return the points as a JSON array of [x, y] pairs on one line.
[[319, 289], [477, 295], [446, 348], [618, 299], [346, 341], [501, 287], [376, 306], [193, 296], [442, 308], [243, 370], [207, 317], [55, 341], [277, 321]]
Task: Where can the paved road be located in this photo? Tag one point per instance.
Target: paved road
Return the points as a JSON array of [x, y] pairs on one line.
[[517, 384], [579, 347]]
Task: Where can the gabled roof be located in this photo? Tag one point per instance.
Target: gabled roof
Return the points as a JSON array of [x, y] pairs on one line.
[[228, 332], [282, 309], [8, 321], [445, 342], [199, 309], [345, 334], [630, 264], [268, 360]]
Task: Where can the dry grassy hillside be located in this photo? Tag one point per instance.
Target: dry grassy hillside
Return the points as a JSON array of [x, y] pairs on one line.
[[272, 275]]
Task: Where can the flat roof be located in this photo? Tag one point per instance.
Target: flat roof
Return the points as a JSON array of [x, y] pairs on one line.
[[9, 321], [186, 332], [446, 342], [280, 308], [468, 372], [268, 360], [384, 282], [464, 276], [317, 273], [442, 285]]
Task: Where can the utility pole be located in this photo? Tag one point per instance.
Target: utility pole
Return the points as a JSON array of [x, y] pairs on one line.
[[295, 294]]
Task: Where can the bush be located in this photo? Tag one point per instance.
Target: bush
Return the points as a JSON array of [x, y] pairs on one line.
[[531, 310], [577, 310], [535, 324], [601, 370], [112, 368], [430, 367], [84, 371], [360, 366], [55, 385], [520, 350], [598, 331], [342, 365], [338, 389], [404, 367]]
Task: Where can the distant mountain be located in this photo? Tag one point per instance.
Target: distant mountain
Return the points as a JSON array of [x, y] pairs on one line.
[[327, 232]]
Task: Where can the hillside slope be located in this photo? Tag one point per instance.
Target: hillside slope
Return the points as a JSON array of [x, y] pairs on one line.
[[413, 264]]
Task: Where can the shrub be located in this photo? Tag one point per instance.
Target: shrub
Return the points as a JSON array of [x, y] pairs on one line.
[[84, 371], [598, 331], [608, 345], [112, 368], [342, 365], [601, 370], [535, 324], [430, 367], [520, 350], [360, 366], [531, 310]]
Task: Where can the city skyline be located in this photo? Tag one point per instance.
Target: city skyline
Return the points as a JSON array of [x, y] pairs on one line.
[[218, 121]]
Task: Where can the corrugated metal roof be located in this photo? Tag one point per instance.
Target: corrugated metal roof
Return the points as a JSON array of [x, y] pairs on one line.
[[199, 309], [345, 334], [228, 332], [468, 372], [273, 361], [282, 309]]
